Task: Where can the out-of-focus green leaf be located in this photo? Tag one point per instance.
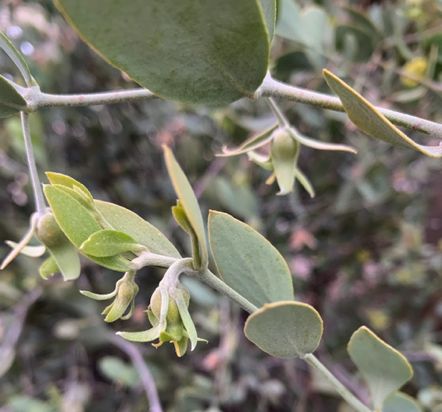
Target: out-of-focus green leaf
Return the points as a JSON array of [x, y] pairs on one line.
[[188, 201], [110, 243], [118, 371], [28, 404], [238, 198], [285, 329], [208, 52], [288, 22], [365, 116], [247, 262], [143, 232], [314, 32], [383, 367], [353, 42], [268, 8]]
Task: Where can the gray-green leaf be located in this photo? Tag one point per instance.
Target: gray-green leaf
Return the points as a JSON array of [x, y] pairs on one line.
[[210, 52], [247, 262], [268, 8], [365, 116], [285, 329], [383, 367]]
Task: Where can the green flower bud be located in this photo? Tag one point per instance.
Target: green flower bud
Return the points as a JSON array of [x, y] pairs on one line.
[[176, 326], [49, 233], [284, 154], [126, 292]]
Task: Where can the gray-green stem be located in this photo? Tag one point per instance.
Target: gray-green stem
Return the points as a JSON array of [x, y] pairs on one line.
[[40, 205], [341, 389], [215, 282], [269, 88]]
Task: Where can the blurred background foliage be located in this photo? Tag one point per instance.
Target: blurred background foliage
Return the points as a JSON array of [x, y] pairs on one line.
[[365, 251]]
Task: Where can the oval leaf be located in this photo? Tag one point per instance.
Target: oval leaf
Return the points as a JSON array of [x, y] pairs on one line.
[[247, 262], [11, 101], [110, 243], [401, 402], [208, 52], [365, 116], [143, 232], [187, 201], [285, 329], [383, 367]]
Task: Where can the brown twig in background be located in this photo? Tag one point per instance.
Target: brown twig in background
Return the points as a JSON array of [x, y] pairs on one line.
[[146, 377]]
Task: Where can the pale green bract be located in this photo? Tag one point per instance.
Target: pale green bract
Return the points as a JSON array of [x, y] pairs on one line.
[[188, 201]]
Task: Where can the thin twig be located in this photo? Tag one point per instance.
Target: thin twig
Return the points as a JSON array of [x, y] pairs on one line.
[[146, 377], [342, 390], [13, 333], [40, 205], [269, 88]]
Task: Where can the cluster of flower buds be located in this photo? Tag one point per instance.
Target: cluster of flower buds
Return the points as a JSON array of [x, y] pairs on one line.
[[171, 322]]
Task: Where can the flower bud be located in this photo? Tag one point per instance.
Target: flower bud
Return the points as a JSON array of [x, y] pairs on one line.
[[284, 153], [49, 233]]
